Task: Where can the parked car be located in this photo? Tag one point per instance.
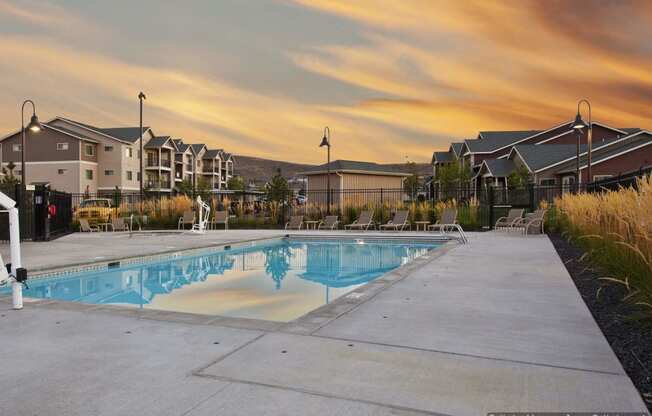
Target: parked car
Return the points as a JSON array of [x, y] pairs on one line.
[[95, 210]]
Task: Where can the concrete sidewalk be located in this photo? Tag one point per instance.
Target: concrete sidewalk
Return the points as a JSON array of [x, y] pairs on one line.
[[493, 326]]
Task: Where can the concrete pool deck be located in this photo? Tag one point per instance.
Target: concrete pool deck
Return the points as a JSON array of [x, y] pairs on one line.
[[493, 326]]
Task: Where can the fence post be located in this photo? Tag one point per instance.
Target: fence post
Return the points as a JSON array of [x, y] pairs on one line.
[[532, 203], [490, 194]]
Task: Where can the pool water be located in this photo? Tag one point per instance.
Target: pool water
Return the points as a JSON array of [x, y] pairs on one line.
[[277, 280]]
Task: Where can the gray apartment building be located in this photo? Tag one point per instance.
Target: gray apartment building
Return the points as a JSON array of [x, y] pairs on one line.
[[81, 158]]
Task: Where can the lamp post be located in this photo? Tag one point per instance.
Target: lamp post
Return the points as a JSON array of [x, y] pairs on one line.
[[580, 124], [34, 126], [141, 97], [326, 141]]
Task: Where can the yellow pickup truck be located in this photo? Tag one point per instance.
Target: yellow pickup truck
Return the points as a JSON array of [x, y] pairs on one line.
[[96, 210]]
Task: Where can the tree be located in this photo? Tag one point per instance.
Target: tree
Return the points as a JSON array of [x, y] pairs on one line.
[[277, 188], [9, 178], [519, 177], [411, 183], [185, 187], [236, 183], [203, 188]]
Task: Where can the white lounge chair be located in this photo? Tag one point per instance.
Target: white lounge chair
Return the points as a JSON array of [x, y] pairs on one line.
[[508, 222], [220, 217], [399, 222], [534, 220], [295, 223], [329, 223], [188, 217], [448, 222], [364, 221], [85, 227]]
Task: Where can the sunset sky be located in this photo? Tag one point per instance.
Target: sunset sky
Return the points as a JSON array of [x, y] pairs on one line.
[[392, 79]]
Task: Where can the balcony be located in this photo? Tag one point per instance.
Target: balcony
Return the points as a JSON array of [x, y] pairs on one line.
[[158, 185], [209, 171], [158, 163]]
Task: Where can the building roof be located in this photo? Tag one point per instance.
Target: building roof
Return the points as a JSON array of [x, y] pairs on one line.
[[354, 166], [539, 157], [456, 147], [499, 168], [197, 147], [612, 152], [212, 154], [441, 157], [126, 134], [490, 141], [158, 141]]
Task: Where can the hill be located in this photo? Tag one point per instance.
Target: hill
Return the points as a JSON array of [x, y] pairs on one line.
[[260, 170]]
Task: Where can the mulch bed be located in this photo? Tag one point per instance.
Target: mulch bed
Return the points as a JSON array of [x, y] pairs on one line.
[[631, 340]]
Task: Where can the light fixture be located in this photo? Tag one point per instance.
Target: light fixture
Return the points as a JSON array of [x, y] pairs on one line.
[[34, 125], [579, 123]]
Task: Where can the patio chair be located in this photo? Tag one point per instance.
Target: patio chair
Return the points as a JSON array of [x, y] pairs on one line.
[[188, 217], [534, 220], [513, 216], [447, 223], [399, 222], [295, 223], [364, 221], [119, 224], [331, 222], [85, 227], [220, 217]]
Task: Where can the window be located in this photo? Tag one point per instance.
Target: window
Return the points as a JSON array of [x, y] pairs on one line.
[[89, 174], [108, 172], [130, 175], [129, 152], [15, 147], [547, 182], [62, 171], [62, 146], [138, 176], [600, 177], [108, 148], [89, 150]]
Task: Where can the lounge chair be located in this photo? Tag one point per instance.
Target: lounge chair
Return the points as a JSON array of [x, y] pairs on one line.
[[295, 223], [399, 222], [188, 217], [119, 224], [448, 222], [364, 222], [220, 217], [85, 227], [533, 220], [513, 216], [329, 223]]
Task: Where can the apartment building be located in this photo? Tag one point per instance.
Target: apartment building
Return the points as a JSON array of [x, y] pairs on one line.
[[78, 157], [546, 154]]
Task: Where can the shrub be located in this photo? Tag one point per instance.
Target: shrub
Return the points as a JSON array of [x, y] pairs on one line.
[[615, 228]]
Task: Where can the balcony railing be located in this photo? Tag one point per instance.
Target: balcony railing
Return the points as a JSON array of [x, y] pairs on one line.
[[158, 184], [155, 163]]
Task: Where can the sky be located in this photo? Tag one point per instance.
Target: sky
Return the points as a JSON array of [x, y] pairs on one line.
[[393, 80]]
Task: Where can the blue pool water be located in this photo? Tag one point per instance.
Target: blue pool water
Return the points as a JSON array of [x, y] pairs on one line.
[[277, 280]]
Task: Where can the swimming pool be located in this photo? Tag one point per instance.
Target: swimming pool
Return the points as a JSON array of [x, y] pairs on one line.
[[276, 280]]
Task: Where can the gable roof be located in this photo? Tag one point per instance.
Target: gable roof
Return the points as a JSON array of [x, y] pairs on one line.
[[353, 166], [124, 134], [197, 147], [491, 141], [212, 154], [63, 130], [158, 141], [543, 157], [499, 168], [456, 147], [441, 157], [539, 157]]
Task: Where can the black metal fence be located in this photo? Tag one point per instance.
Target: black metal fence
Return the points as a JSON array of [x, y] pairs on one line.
[[43, 213], [623, 180]]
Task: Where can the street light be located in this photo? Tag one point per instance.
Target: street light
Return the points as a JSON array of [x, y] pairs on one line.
[[141, 97], [326, 141], [579, 124], [34, 126]]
